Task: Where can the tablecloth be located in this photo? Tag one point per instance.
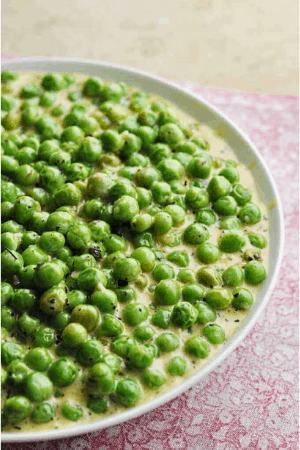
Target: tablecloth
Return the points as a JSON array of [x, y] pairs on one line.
[[251, 400]]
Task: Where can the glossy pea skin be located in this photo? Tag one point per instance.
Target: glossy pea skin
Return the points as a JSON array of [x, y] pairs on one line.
[[184, 315], [11, 262], [143, 333], [71, 412], [249, 214], [167, 292], [177, 366], [198, 347], [8, 318], [91, 277], [127, 269], [86, 315], [6, 292], [153, 378], [48, 275], [38, 359], [74, 335], [90, 352], [53, 301], [43, 412], [196, 198], [17, 408], [145, 257], [196, 233], [167, 342], [23, 300], [126, 294], [135, 313], [110, 326], [178, 257], [101, 380], [218, 298], [242, 299], [232, 242], [17, 371], [225, 206], [163, 271], [140, 356], [45, 337], [257, 240], [192, 293], [63, 372], [255, 272], [205, 312], [208, 253], [233, 276], [186, 276], [38, 387], [162, 318], [105, 300], [218, 187], [128, 391], [214, 333], [122, 345]]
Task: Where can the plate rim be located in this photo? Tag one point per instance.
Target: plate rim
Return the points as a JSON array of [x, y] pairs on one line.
[[241, 333]]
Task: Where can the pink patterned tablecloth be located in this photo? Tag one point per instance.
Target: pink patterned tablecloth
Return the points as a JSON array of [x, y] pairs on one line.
[[251, 400]]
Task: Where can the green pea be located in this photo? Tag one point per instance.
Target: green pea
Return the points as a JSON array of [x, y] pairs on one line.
[[17, 371], [74, 335], [143, 240], [196, 233], [184, 315], [145, 257], [257, 240], [231, 174], [171, 134], [43, 412], [111, 361], [126, 294], [114, 243], [177, 214], [232, 242], [140, 356], [198, 347], [38, 359], [230, 223], [205, 312], [186, 276], [38, 387], [167, 342], [44, 337], [8, 318], [178, 257], [214, 333], [97, 405], [250, 214], [233, 276], [135, 313], [143, 333], [170, 169], [63, 372], [11, 351], [71, 412], [17, 408], [141, 222], [127, 269], [90, 278], [128, 391], [192, 293], [167, 292], [82, 262], [153, 378], [122, 344], [30, 90], [225, 206], [218, 187], [105, 300], [6, 292], [110, 326], [48, 275], [47, 99], [218, 298], [177, 366], [23, 300], [200, 166], [53, 82], [93, 86], [101, 380], [34, 255], [255, 272], [86, 315], [196, 198], [125, 208], [61, 320], [24, 209], [27, 324], [242, 299], [241, 194]]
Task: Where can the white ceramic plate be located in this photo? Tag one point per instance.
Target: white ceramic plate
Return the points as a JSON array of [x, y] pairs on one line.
[[247, 153]]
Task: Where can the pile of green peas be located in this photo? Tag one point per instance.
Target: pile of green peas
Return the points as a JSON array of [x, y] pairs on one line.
[[103, 189]]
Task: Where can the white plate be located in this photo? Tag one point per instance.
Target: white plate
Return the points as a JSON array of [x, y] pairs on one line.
[[247, 153]]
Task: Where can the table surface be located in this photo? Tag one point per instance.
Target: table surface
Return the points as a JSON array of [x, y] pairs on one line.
[[238, 46]]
